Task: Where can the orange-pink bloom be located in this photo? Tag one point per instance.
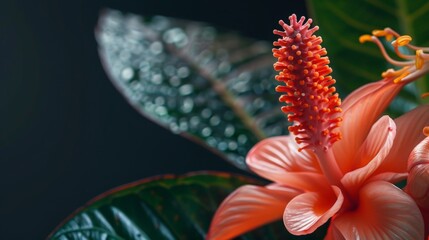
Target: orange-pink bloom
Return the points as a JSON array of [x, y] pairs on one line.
[[326, 170], [418, 179]]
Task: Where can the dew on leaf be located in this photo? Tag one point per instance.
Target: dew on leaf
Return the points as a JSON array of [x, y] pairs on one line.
[[232, 145], [187, 106], [194, 121], [176, 36], [161, 111], [206, 131], [159, 100], [206, 113], [215, 120], [186, 89], [175, 81], [222, 146], [224, 67], [183, 126], [156, 48], [242, 139], [156, 79], [127, 73], [211, 141], [183, 72], [170, 70], [229, 130], [174, 127]]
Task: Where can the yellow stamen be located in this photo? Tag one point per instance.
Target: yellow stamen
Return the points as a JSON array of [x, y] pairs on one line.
[[402, 41], [365, 38], [392, 73], [426, 131], [400, 77], [419, 59], [424, 95]]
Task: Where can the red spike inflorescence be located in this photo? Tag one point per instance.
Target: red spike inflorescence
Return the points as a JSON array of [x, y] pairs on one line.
[[312, 104]]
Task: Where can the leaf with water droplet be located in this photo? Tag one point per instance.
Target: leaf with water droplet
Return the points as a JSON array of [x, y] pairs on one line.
[[166, 207], [213, 85]]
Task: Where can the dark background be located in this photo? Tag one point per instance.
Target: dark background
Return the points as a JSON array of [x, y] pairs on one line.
[[66, 134]]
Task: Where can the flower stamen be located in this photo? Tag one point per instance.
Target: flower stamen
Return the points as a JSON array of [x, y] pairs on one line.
[[308, 92], [413, 66]]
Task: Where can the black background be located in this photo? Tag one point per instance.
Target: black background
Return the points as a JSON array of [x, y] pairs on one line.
[[66, 134]]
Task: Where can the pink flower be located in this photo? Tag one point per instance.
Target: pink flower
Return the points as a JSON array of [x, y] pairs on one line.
[[418, 179], [338, 163]]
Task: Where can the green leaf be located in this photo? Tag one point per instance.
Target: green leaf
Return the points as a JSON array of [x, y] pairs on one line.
[[165, 207], [213, 86], [342, 22]]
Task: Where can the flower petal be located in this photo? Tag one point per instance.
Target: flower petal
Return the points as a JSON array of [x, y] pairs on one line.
[[278, 160], [418, 179], [408, 134], [249, 207], [308, 211], [371, 154], [383, 212], [360, 110]]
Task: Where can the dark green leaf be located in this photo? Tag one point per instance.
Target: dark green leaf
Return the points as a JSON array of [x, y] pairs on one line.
[[160, 208], [342, 22], [213, 86]]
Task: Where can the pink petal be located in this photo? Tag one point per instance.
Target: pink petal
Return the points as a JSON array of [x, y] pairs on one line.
[[383, 212], [371, 154], [360, 110], [249, 207], [278, 160], [408, 134], [308, 211], [418, 179]]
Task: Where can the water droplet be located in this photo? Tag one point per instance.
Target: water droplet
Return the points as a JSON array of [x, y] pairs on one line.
[[159, 100], [242, 139], [211, 141], [183, 126], [206, 113], [229, 130], [183, 72], [175, 81], [188, 105], [170, 70], [161, 111], [174, 127], [194, 121], [215, 120], [176, 36], [222, 146], [127, 73], [224, 67], [136, 86], [186, 89], [157, 79], [156, 48], [232, 146], [206, 132]]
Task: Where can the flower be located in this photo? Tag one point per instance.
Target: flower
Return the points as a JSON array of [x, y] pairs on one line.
[[337, 163], [418, 179]]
